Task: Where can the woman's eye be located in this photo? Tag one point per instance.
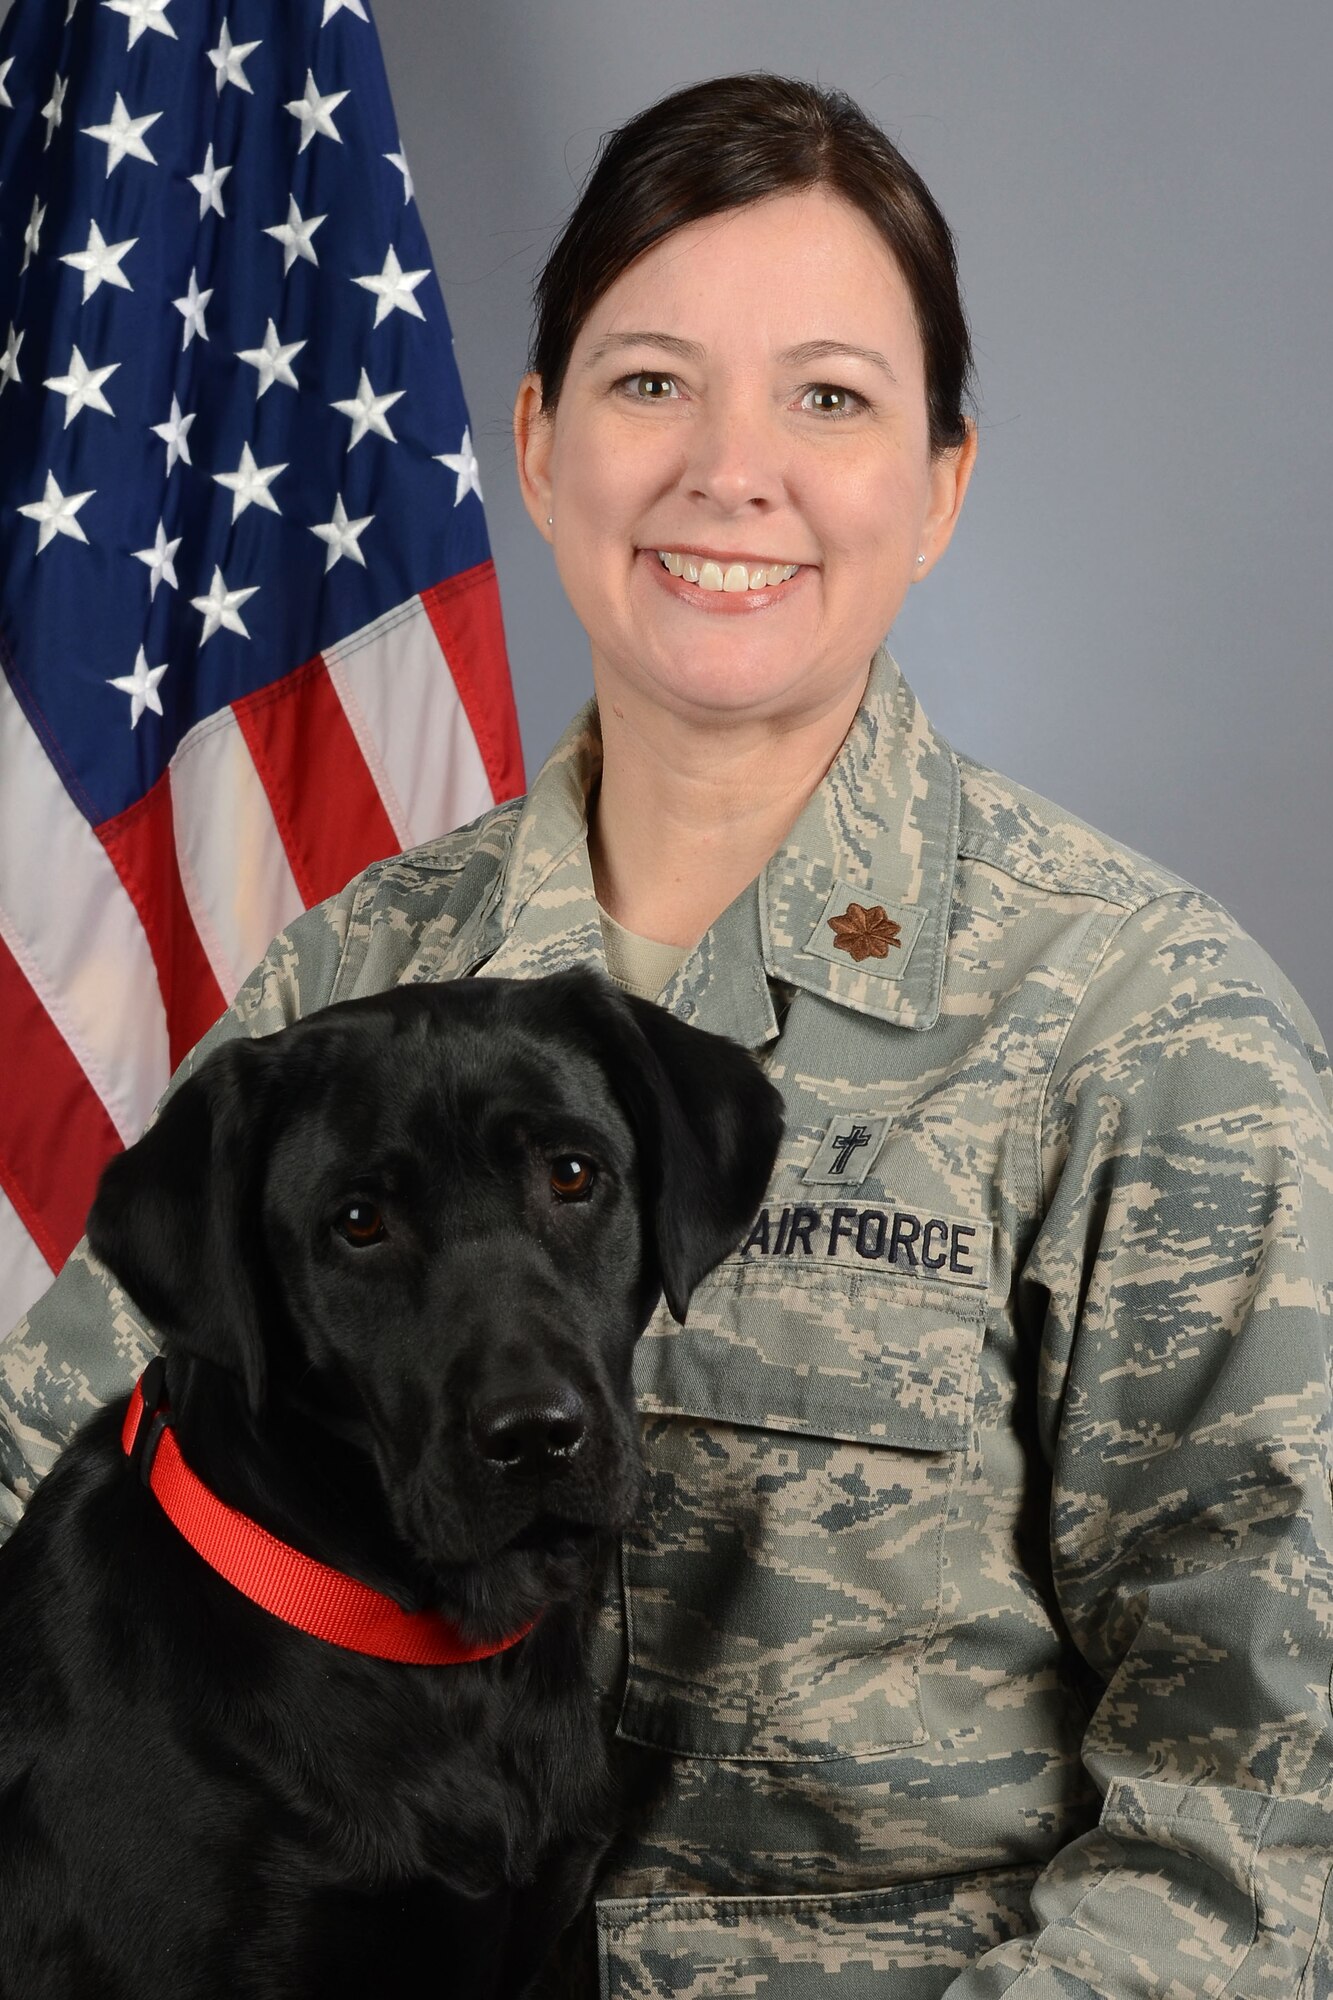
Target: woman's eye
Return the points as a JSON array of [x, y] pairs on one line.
[[830, 401], [360, 1223], [649, 388], [572, 1177]]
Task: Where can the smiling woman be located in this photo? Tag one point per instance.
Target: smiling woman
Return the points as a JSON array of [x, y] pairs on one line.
[[741, 496], [744, 434], [974, 1634]]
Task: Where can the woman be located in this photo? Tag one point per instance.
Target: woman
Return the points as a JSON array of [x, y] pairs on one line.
[[975, 1632]]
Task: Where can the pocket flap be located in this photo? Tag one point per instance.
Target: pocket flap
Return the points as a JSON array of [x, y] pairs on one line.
[[911, 1941], [830, 1356]]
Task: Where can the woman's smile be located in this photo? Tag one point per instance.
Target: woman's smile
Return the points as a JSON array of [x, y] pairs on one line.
[[724, 584], [726, 572]]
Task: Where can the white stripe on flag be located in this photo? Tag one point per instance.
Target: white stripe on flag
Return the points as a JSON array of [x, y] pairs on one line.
[[24, 1272], [234, 870], [403, 708], [68, 921]]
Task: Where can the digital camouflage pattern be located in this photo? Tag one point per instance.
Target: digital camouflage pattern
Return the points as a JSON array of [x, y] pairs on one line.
[[975, 1634]]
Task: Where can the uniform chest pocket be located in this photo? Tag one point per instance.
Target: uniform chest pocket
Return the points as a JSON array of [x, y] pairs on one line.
[[784, 1575]]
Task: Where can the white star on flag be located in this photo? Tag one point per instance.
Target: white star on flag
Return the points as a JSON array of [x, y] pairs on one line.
[[273, 361], [315, 112], [161, 563], [191, 310], [123, 136], [81, 387], [6, 101], [52, 111], [464, 463], [100, 262], [221, 608], [393, 288], [294, 235], [142, 15], [32, 235], [227, 58], [332, 7], [9, 360], [173, 434], [55, 511], [399, 160], [249, 484], [343, 536], [141, 685], [208, 181], [366, 410]]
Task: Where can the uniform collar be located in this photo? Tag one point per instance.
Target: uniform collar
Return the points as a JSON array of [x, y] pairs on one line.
[[881, 833], [544, 917], [870, 864]]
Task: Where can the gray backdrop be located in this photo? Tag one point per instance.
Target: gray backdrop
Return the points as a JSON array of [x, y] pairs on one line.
[[1135, 616]]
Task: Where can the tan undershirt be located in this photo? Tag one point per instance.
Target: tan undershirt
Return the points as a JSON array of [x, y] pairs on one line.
[[639, 965]]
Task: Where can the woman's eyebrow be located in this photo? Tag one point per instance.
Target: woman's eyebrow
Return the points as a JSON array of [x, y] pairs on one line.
[[686, 350], [692, 350], [827, 350]]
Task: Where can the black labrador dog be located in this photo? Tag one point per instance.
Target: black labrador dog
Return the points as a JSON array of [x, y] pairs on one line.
[[399, 1255]]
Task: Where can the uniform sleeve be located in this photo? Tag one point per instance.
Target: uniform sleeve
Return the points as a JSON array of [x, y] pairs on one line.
[[84, 1342], [1181, 1285]]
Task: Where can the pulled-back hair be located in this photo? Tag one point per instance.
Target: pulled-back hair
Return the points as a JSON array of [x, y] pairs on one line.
[[730, 141]]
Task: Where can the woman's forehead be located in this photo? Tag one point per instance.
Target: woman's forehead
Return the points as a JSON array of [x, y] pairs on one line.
[[783, 273]]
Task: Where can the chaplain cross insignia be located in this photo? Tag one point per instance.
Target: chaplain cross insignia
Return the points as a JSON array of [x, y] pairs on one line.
[[845, 1144], [865, 933]]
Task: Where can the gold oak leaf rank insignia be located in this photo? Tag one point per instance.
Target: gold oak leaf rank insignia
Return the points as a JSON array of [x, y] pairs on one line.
[[865, 933]]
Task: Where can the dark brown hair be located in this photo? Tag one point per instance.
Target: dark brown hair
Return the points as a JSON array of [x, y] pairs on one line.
[[720, 145]]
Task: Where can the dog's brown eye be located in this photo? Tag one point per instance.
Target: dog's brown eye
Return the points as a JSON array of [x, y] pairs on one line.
[[360, 1224], [571, 1177]]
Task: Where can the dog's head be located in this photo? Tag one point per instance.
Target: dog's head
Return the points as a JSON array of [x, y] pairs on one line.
[[435, 1221]]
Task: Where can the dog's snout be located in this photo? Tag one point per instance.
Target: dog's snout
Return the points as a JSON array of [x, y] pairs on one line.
[[527, 1431]]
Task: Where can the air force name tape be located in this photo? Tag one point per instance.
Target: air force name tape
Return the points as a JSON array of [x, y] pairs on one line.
[[862, 1238]]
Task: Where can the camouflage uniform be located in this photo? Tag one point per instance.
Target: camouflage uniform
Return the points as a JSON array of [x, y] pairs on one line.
[[975, 1634]]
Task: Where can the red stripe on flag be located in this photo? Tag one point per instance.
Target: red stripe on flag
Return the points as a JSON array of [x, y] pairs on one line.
[[465, 614], [323, 798], [142, 846], [55, 1135]]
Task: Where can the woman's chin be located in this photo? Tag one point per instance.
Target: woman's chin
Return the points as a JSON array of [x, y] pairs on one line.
[[733, 676]]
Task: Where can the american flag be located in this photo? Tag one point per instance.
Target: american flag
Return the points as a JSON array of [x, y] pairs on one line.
[[249, 626]]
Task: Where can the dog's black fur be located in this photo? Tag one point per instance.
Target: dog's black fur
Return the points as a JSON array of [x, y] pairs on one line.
[[197, 1800]]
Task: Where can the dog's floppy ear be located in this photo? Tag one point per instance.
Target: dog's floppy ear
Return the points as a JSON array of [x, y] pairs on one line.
[[176, 1217], [708, 1123]]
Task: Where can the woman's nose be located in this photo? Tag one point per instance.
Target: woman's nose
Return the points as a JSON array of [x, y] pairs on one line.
[[736, 458]]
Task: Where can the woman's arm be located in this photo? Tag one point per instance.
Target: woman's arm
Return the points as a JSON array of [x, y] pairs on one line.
[[1182, 1288]]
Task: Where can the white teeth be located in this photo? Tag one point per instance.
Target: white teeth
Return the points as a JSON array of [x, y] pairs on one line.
[[735, 577]]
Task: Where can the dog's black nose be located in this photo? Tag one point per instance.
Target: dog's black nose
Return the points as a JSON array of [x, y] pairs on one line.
[[528, 1431]]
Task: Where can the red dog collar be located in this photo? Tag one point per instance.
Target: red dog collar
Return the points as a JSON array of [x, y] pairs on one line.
[[292, 1586]]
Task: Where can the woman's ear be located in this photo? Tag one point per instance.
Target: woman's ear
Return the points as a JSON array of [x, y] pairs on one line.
[[950, 474], [532, 452]]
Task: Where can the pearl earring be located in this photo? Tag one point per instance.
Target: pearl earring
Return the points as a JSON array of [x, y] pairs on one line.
[[550, 520], [921, 559]]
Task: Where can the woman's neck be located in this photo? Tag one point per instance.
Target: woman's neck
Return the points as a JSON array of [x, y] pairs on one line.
[[689, 812]]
